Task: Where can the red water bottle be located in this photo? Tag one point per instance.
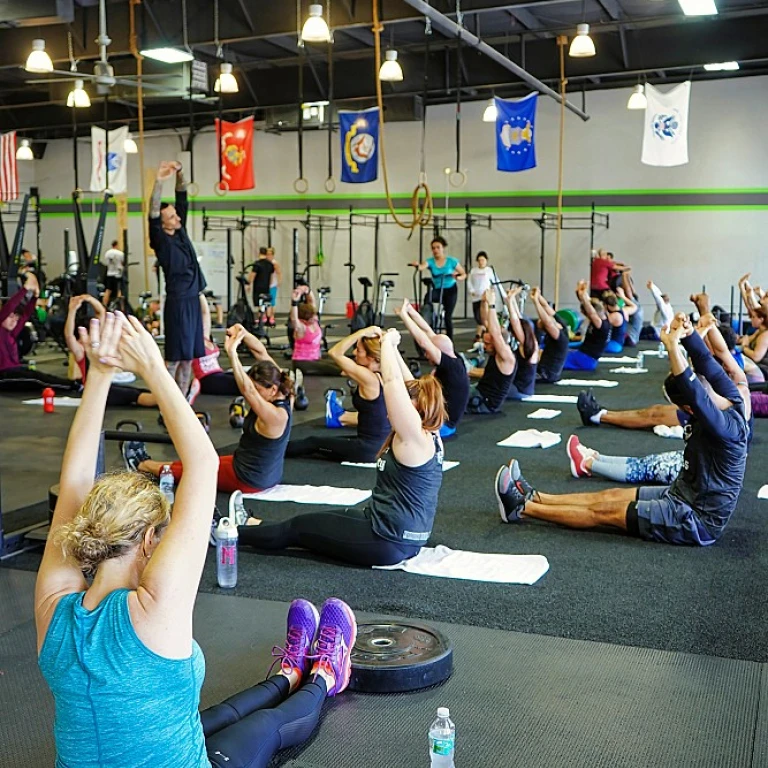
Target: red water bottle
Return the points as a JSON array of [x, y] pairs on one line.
[[48, 395]]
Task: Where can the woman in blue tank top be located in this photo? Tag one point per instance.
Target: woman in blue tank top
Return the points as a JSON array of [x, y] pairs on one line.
[[118, 655], [398, 519], [368, 398]]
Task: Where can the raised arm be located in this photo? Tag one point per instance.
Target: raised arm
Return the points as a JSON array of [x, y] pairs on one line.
[[252, 344], [514, 313], [70, 337], [665, 310], [491, 322], [363, 376], [404, 418], [582, 294], [546, 314], [423, 337], [629, 306], [298, 292]]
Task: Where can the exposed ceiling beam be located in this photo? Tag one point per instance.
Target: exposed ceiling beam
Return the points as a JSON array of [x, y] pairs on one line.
[[246, 15], [526, 18], [612, 8], [624, 51]]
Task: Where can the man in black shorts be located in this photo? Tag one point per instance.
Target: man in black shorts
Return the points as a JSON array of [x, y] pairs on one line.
[[184, 281], [450, 370], [695, 509], [261, 277]]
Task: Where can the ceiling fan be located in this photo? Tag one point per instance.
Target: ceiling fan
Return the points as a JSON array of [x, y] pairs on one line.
[[103, 72]]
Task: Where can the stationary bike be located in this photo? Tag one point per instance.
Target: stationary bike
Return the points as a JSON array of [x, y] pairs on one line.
[[241, 312], [322, 297], [384, 290]]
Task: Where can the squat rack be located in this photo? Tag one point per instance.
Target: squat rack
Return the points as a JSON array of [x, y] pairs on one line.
[[18, 212]]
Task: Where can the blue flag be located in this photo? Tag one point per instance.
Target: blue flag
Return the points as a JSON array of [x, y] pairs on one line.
[[516, 133], [359, 133]]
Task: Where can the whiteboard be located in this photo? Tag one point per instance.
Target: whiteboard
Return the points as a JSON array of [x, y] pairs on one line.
[[212, 256]]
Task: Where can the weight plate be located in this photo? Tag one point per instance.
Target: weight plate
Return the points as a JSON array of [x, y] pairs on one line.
[[391, 657]]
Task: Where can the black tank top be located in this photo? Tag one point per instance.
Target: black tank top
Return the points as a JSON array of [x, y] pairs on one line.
[[525, 375], [553, 356], [595, 339], [258, 460], [618, 332], [372, 420], [404, 500], [494, 386], [452, 375]]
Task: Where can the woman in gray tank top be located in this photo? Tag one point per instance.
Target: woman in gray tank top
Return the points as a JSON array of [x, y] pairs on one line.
[[398, 519], [129, 696]]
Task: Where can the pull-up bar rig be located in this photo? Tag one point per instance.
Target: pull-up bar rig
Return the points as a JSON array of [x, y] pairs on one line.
[[10, 257]]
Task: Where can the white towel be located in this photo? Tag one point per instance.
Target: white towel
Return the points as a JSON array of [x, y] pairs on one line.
[[312, 494], [544, 413], [625, 369], [550, 399], [365, 465], [123, 377], [474, 566], [587, 383], [763, 492], [67, 402], [530, 438], [624, 359], [662, 430]]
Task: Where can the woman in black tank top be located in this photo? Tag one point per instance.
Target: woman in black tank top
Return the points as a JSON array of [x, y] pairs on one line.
[[371, 416], [527, 353], [257, 463], [398, 519]]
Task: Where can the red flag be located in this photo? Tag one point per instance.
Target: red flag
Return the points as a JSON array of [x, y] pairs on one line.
[[236, 149], [9, 176]]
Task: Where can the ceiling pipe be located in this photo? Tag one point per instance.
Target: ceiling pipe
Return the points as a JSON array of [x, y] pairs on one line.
[[444, 24]]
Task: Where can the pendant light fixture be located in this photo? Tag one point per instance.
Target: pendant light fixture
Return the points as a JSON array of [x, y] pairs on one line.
[[24, 152], [78, 96], [637, 100], [491, 112], [391, 71], [39, 60], [129, 145], [315, 29], [582, 45], [226, 82]]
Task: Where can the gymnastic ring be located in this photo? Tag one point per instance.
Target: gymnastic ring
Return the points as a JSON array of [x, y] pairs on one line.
[[330, 185], [221, 188], [301, 186], [193, 189], [462, 178]]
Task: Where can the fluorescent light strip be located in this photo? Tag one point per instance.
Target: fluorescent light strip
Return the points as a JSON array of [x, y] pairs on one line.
[[723, 66], [167, 55], [698, 7]]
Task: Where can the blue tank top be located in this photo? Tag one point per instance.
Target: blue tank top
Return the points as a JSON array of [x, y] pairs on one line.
[[442, 277], [119, 704]]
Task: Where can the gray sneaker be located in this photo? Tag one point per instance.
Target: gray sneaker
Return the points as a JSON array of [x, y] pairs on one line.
[[134, 452]]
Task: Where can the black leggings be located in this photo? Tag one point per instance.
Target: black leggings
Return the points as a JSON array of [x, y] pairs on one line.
[[120, 396], [219, 384], [247, 729], [22, 379], [450, 297], [343, 534], [334, 448]]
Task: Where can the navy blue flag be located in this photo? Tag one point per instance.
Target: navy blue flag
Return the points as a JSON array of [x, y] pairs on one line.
[[516, 133], [359, 133]]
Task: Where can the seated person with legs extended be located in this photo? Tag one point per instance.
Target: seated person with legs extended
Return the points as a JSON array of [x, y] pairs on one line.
[[449, 369], [552, 360], [619, 308], [586, 356], [696, 507], [128, 696], [257, 463], [527, 353], [398, 520]]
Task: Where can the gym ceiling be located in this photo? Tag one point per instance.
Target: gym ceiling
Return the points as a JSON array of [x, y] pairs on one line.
[[636, 41]]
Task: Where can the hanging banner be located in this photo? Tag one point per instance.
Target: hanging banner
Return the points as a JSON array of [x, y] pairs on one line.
[[516, 133], [109, 169], [359, 133], [665, 138], [236, 150], [9, 175]]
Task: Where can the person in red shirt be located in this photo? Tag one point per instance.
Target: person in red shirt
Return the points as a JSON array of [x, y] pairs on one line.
[[604, 269]]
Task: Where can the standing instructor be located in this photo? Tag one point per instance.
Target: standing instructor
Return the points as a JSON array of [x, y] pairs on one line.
[[184, 281]]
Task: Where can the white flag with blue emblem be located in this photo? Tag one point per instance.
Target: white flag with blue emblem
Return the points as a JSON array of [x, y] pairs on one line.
[[108, 165], [665, 139]]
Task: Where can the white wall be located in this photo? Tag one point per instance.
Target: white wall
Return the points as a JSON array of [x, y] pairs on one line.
[[680, 249]]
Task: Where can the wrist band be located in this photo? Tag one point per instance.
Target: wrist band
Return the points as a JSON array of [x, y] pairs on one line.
[[295, 303]]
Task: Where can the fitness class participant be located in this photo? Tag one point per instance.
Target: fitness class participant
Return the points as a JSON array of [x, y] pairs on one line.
[[398, 520], [635, 320], [619, 308], [119, 396], [184, 281], [488, 394], [479, 281], [661, 468], [445, 270], [307, 333], [114, 260], [274, 284], [260, 276], [585, 357], [550, 368], [368, 398], [15, 377], [257, 463], [449, 370], [664, 309], [603, 271], [527, 353], [140, 670], [697, 506]]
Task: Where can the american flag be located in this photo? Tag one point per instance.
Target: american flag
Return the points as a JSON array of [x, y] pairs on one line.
[[9, 177]]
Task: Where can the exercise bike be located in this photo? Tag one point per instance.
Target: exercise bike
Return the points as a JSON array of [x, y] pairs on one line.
[[241, 312], [322, 297], [364, 316], [384, 289]]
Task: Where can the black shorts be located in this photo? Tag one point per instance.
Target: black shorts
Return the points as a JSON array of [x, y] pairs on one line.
[[113, 284], [657, 515]]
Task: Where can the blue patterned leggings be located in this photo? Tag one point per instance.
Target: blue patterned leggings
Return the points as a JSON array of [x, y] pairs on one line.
[[660, 468]]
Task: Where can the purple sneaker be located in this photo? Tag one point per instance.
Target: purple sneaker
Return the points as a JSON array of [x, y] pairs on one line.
[[335, 638], [302, 627]]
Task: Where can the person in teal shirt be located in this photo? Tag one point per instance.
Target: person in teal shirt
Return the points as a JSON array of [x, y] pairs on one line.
[[446, 270]]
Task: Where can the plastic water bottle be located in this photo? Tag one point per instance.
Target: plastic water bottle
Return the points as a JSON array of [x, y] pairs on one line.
[[166, 483], [640, 360], [226, 554], [48, 400], [662, 349], [442, 740]]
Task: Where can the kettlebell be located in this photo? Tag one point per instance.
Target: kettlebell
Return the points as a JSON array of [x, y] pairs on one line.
[[237, 413], [301, 403]]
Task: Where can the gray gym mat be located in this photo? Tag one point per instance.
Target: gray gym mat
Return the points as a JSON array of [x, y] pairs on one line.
[[517, 699]]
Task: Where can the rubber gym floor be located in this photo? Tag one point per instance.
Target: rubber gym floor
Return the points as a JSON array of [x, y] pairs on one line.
[[624, 654]]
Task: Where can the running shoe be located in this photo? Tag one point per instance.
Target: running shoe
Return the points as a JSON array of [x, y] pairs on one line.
[[237, 413], [512, 491], [296, 653], [447, 431], [577, 455], [333, 410], [134, 452], [237, 510], [588, 407], [336, 636], [194, 391]]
